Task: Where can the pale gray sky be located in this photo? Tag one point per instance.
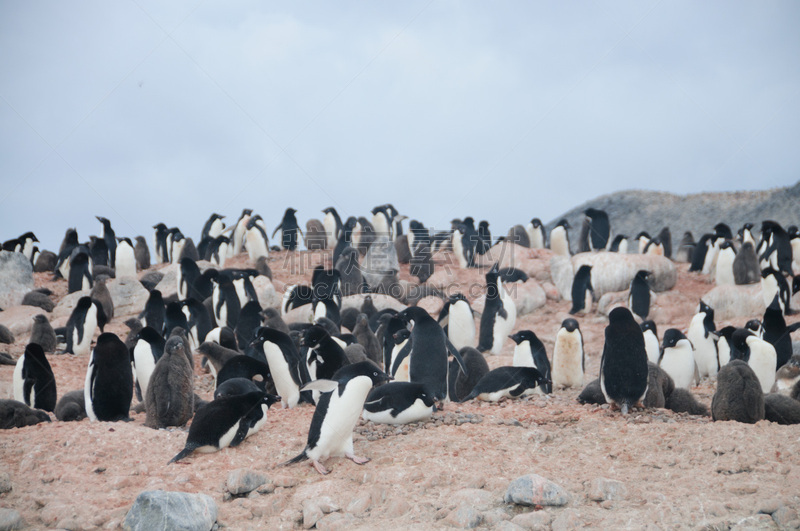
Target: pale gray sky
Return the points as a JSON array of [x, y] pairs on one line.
[[148, 111]]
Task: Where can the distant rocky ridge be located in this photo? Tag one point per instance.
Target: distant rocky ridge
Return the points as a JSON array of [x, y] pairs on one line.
[[633, 211]]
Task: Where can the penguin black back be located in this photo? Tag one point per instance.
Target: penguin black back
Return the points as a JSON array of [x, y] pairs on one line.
[[623, 366]]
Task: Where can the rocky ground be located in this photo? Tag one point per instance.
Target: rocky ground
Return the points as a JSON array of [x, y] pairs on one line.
[[651, 469]]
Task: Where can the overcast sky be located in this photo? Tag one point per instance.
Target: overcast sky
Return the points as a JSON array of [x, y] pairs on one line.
[[149, 111]]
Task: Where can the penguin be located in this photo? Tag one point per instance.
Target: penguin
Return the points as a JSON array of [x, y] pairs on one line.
[[745, 265], [599, 229], [226, 421], [499, 312], [42, 333], [683, 401], [642, 239], [256, 239], [217, 355], [80, 327], [243, 284], [241, 366], [316, 239], [142, 254], [654, 247], [102, 296], [213, 227], [725, 260], [287, 367], [773, 284], [619, 244], [34, 382], [422, 265], [98, 251], [160, 243], [701, 336], [235, 386], [592, 393], [125, 259], [154, 312], [651, 345], [325, 355], [745, 234], [754, 326], [146, 352], [559, 239], [187, 275], [536, 234], [725, 336], [217, 251], [333, 226], [367, 338], [640, 295], [174, 318], [699, 253], [738, 395], [776, 333], [775, 249], [381, 222], [582, 291], [781, 409], [507, 382], [289, 229], [237, 236], [569, 359], [787, 376], [758, 354], [659, 386], [80, 275], [296, 296], [794, 242], [710, 262], [68, 245], [226, 303], [398, 367], [108, 389], [170, 393], [464, 243], [484, 238], [456, 318], [110, 240], [271, 318], [685, 248], [71, 407], [623, 365], [352, 281], [427, 361], [677, 358], [517, 235], [398, 403], [23, 244], [337, 412], [530, 352], [248, 323]]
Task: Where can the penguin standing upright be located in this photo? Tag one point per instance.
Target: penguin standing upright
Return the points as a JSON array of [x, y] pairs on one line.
[[80, 274], [484, 238], [142, 253], [42, 333], [725, 260], [530, 352], [146, 352], [289, 230], [642, 240], [256, 239], [287, 366], [464, 243], [699, 252], [108, 389], [237, 237], [458, 322], [651, 345], [111, 241], [381, 221], [758, 354], [775, 248], [81, 326], [34, 382], [170, 392], [125, 259], [213, 227], [160, 243], [745, 265], [225, 301], [639, 297], [677, 358], [738, 395], [154, 311], [568, 356], [773, 284], [333, 226], [619, 244], [499, 312], [777, 333], [337, 412], [325, 355], [702, 337], [536, 235], [599, 229], [582, 291], [623, 366], [559, 239]]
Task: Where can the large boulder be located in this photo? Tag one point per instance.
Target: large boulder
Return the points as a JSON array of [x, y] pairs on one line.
[[16, 278], [734, 302], [613, 272], [128, 294], [158, 509]]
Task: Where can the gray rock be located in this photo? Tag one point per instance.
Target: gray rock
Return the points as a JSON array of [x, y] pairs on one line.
[[566, 520], [734, 302], [10, 519], [19, 319], [168, 285], [784, 516], [602, 489], [770, 506], [16, 278], [528, 296], [243, 481], [380, 261], [5, 483], [562, 273], [128, 294], [464, 517], [533, 520], [753, 523], [614, 272], [533, 489], [158, 509], [478, 498], [66, 305], [507, 525], [336, 522]]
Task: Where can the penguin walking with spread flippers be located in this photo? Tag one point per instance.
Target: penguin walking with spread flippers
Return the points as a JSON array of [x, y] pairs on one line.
[[289, 230], [738, 396], [569, 359], [108, 389], [623, 366], [338, 410], [226, 421]]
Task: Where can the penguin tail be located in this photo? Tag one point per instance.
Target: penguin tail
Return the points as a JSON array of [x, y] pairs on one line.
[[300, 457], [623, 407], [468, 398], [183, 453]]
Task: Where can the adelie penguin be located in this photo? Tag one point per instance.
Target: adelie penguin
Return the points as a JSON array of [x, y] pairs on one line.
[[774, 284], [536, 235], [398, 403], [745, 265], [651, 344], [81, 326], [456, 318], [777, 333], [623, 366], [738, 396], [703, 339], [142, 253], [289, 230], [226, 421], [287, 367], [598, 230], [108, 389], [256, 239], [507, 382], [726, 256], [559, 239], [582, 291], [568, 356], [337, 412], [43, 334], [34, 382], [125, 264], [499, 312], [530, 352], [465, 240], [146, 352], [677, 358], [170, 393], [758, 354], [640, 295], [80, 275], [333, 226]]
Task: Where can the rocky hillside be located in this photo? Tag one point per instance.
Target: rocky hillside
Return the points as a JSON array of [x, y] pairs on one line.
[[633, 211]]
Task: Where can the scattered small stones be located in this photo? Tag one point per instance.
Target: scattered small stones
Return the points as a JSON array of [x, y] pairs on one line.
[[158, 509], [374, 432], [533, 489], [566, 520]]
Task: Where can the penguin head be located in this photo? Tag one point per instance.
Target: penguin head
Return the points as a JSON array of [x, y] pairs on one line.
[[362, 368], [671, 338], [754, 325], [705, 308], [523, 335], [414, 314], [536, 222], [269, 399], [649, 325], [564, 223], [570, 325], [40, 318], [175, 345], [739, 346], [401, 335], [313, 336], [619, 315]]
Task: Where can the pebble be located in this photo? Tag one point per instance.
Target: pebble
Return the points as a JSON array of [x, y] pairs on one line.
[[507, 526], [566, 520], [769, 506], [397, 508], [360, 504], [464, 517], [243, 481], [336, 522], [533, 520], [753, 523], [533, 489], [10, 520], [5, 483], [285, 481], [784, 516]]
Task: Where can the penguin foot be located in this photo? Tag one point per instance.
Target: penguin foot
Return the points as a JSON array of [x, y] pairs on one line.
[[320, 468], [357, 460]]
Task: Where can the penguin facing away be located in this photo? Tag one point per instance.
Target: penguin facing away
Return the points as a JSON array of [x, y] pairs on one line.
[[289, 230], [640, 295], [337, 412], [108, 388], [738, 395], [623, 366]]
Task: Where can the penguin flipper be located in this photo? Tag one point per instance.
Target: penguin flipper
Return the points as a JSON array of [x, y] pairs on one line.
[[302, 456], [793, 327], [241, 433], [279, 227], [518, 390], [322, 385], [183, 453], [502, 313], [454, 351]]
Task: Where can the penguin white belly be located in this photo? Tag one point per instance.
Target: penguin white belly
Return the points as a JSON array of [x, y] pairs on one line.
[[678, 362], [458, 250], [222, 255], [380, 225], [395, 352], [329, 223], [502, 327], [320, 311], [403, 371], [284, 384], [414, 413], [724, 274], [241, 294], [88, 390], [217, 226], [89, 325], [177, 249], [19, 384], [256, 247], [711, 259], [227, 437], [769, 288], [143, 358], [723, 352], [567, 369], [558, 242], [85, 284], [522, 355], [795, 255], [336, 432], [238, 236], [461, 325], [705, 356], [125, 265], [763, 361], [651, 347]]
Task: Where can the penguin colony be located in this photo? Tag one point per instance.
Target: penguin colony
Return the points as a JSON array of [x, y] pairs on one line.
[[341, 359]]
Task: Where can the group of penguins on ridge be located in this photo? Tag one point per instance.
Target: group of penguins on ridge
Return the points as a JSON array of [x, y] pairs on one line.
[[258, 360]]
